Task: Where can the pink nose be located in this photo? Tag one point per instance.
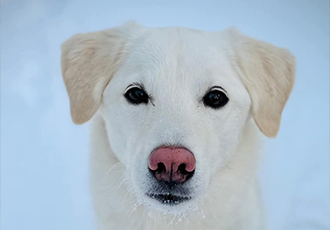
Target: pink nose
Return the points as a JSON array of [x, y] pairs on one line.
[[172, 164]]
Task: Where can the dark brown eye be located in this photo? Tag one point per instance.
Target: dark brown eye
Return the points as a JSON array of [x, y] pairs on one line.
[[136, 95], [215, 99]]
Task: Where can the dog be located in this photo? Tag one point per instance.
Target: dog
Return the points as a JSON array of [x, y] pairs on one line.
[[177, 118]]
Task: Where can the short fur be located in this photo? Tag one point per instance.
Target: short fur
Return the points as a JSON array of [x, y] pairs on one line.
[[176, 66]]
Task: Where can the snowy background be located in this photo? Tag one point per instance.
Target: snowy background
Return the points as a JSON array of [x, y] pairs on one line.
[[44, 157]]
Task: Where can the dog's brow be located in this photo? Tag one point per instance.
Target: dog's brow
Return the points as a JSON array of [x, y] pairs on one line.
[[218, 87], [135, 84]]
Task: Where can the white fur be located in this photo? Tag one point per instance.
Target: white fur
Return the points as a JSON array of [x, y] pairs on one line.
[[176, 66]]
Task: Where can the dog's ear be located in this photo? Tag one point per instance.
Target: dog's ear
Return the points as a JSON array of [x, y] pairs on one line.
[[268, 74], [89, 61]]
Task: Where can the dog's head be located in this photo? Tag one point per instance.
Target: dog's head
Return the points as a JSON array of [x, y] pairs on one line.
[[175, 101]]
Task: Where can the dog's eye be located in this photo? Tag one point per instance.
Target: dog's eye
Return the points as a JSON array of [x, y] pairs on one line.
[[215, 99], [136, 95]]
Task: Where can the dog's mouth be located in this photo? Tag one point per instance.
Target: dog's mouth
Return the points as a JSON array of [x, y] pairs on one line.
[[168, 198]]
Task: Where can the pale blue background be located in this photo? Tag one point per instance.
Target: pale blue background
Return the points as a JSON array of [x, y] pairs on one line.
[[44, 157]]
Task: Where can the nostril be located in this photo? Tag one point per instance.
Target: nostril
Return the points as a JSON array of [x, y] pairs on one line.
[[182, 169], [161, 168]]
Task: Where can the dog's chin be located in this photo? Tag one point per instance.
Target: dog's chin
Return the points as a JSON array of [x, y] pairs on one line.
[[169, 204], [169, 198]]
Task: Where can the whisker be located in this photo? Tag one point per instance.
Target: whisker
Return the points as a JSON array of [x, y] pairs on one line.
[[112, 168]]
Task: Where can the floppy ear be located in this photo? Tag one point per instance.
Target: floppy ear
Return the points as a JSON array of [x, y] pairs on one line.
[[89, 61], [268, 74]]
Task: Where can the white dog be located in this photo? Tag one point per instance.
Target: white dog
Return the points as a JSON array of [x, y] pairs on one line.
[[176, 119]]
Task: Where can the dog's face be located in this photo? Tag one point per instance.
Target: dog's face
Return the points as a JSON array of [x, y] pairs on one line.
[[177, 103], [171, 92]]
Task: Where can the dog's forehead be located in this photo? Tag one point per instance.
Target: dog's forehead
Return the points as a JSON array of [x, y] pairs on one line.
[[170, 57], [176, 48]]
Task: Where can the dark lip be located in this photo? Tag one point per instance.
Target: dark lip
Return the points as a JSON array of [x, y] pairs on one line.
[[169, 199]]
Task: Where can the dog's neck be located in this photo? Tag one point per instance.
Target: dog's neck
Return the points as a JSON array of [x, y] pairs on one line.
[[232, 198]]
